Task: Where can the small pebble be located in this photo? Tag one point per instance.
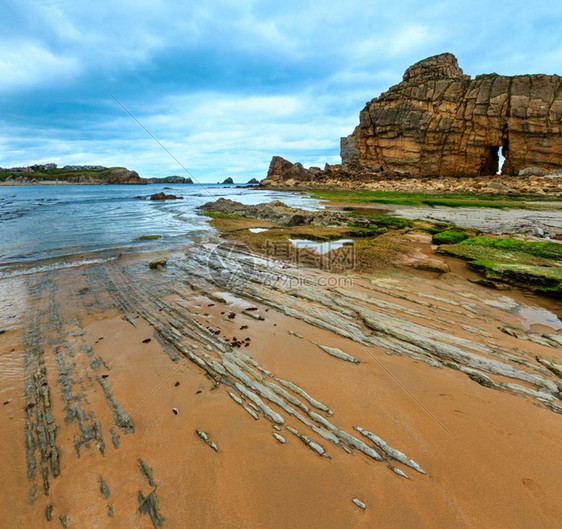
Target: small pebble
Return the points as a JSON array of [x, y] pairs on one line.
[[175, 410], [146, 340], [177, 384], [359, 503]]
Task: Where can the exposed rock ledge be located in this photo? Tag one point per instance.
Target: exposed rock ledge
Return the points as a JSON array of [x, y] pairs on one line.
[[277, 212], [284, 174]]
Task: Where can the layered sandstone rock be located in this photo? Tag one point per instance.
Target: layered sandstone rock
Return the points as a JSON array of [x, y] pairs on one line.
[[438, 121], [284, 175]]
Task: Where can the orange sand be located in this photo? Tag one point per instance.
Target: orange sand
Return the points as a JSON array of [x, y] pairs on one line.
[[492, 459]]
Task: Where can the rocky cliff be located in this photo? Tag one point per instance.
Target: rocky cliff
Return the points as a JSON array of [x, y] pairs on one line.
[[112, 175], [438, 121], [120, 175]]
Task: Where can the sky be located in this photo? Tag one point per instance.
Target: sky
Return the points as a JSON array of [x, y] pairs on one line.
[[224, 85]]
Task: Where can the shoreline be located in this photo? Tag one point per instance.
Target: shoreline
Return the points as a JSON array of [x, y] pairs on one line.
[[51, 183], [257, 384], [102, 314]]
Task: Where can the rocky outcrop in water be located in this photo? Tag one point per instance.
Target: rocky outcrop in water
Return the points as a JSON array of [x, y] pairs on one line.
[[277, 212], [440, 122], [120, 175], [164, 196], [171, 180]]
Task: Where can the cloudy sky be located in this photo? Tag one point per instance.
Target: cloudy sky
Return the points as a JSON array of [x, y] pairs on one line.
[[226, 84]]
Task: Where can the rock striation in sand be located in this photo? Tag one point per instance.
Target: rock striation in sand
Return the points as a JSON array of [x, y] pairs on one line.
[[134, 402]]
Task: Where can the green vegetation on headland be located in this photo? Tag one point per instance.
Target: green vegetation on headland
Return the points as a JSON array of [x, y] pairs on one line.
[[438, 199], [528, 264], [56, 174]]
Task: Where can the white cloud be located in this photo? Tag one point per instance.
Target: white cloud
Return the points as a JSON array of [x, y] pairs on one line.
[[24, 64], [411, 37], [212, 135], [226, 84]]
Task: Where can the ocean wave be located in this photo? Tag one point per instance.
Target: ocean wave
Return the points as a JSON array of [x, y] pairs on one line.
[[6, 274]]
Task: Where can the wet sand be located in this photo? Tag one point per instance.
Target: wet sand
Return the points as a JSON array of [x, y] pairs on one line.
[[448, 376]]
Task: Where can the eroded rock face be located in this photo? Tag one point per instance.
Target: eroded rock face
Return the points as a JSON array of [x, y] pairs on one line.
[[120, 175], [438, 121], [376, 179]]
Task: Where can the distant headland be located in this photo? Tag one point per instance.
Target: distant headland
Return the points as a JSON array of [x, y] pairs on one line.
[[50, 173]]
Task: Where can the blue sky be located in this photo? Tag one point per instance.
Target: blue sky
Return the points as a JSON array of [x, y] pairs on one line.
[[225, 84]]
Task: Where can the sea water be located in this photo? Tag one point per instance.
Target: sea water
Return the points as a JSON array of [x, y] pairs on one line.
[[45, 226]]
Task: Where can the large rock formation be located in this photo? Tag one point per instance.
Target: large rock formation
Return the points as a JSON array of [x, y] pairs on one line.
[[121, 175], [438, 121]]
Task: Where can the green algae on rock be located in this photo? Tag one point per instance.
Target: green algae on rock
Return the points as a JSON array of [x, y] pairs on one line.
[[158, 263], [449, 237], [148, 237], [534, 265]]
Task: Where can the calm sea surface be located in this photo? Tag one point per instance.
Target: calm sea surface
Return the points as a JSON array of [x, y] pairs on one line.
[[50, 226]]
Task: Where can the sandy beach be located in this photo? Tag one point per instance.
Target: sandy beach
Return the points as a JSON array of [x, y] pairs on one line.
[[270, 266], [190, 397]]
